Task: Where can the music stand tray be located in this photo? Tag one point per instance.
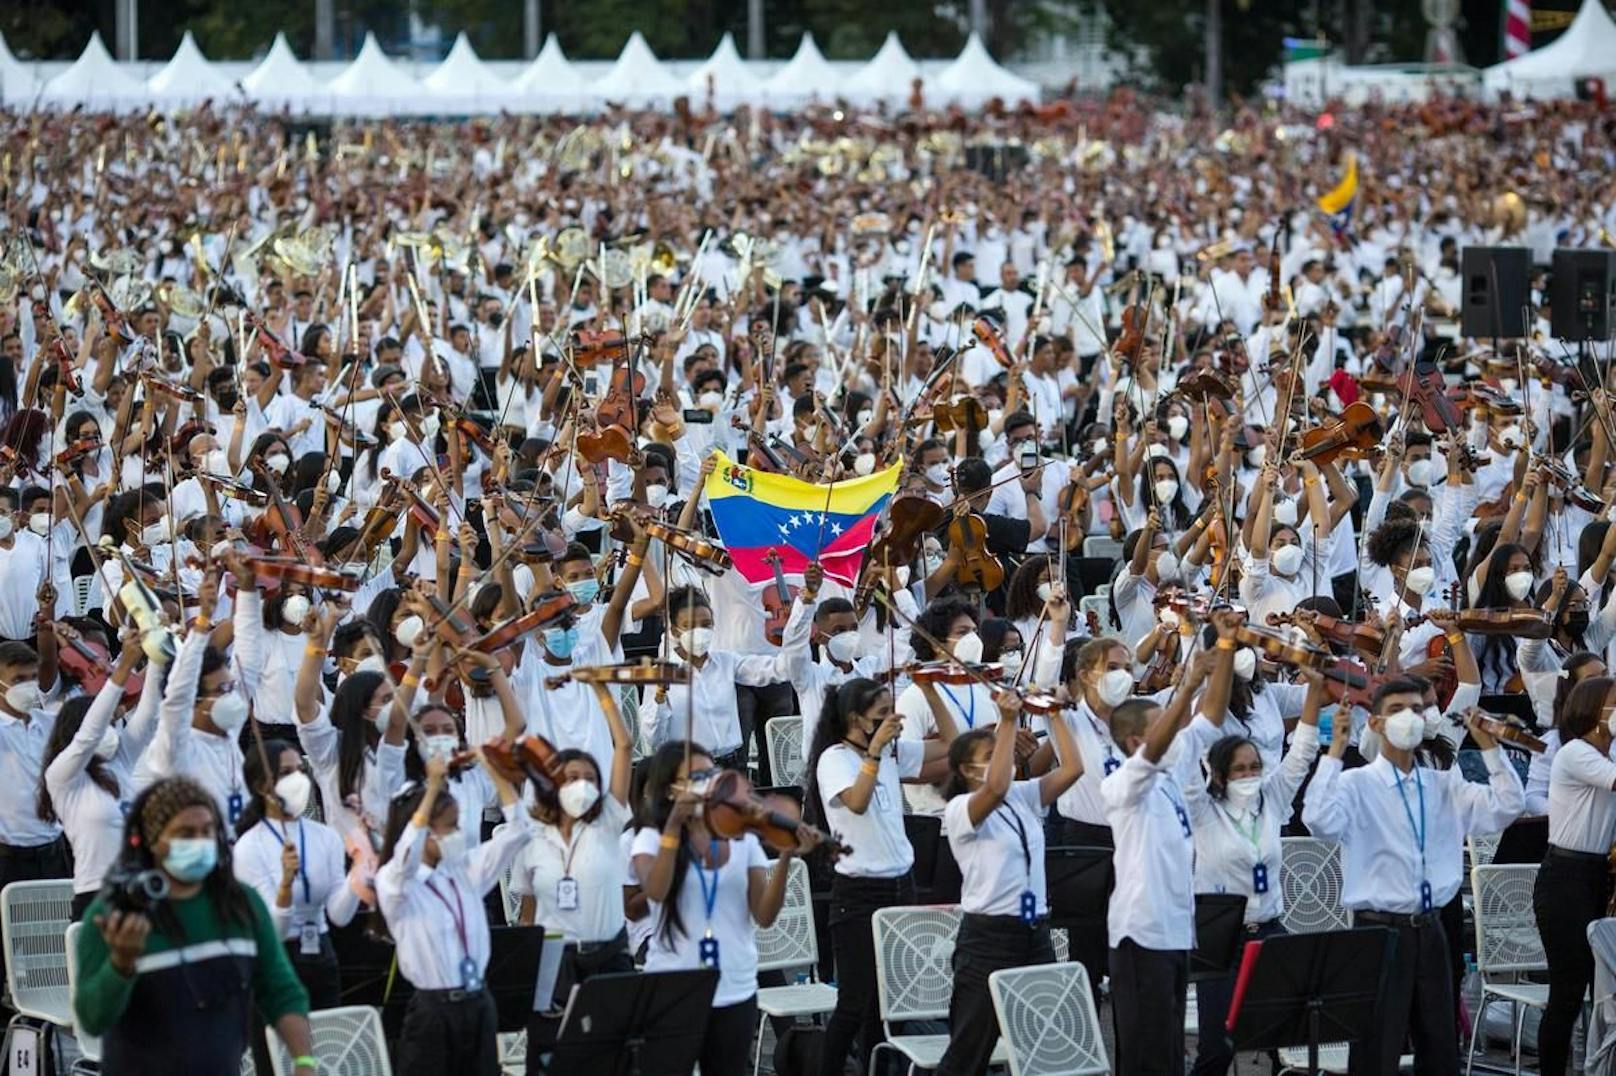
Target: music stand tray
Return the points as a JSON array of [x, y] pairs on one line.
[[635, 1024], [1079, 879], [1309, 989], [1220, 925]]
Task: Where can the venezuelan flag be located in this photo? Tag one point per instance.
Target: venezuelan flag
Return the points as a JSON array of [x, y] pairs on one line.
[[1337, 203], [758, 513]]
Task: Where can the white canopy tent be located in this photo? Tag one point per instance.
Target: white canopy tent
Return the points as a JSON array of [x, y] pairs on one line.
[[550, 83], [373, 85], [281, 80], [724, 73], [95, 81], [1587, 49], [188, 79], [463, 83], [637, 79], [887, 79], [17, 83], [974, 79], [807, 77]]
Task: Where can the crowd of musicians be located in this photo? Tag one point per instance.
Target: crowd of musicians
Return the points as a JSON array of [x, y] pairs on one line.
[[354, 555]]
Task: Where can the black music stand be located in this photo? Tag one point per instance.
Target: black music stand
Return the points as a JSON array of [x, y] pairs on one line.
[[635, 1024], [1080, 879], [1220, 925], [1307, 989]]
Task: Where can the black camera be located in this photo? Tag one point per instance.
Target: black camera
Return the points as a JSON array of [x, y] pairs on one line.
[[135, 891]]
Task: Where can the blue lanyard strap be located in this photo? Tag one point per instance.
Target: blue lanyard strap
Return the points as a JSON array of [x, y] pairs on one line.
[[302, 857], [970, 717], [709, 896], [1419, 830]]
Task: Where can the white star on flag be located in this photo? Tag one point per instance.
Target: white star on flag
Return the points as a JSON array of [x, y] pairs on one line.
[[836, 529]]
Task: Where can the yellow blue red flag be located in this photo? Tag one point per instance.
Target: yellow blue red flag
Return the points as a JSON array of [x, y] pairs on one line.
[[1337, 202]]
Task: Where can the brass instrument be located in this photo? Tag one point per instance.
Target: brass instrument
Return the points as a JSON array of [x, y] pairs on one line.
[[1509, 212], [571, 247], [121, 262]]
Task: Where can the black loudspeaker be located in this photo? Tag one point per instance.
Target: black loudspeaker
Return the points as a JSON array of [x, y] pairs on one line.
[[1582, 295], [1494, 280]]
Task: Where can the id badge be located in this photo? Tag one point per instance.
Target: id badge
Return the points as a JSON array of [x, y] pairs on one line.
[[1112, 765], [567, 894], [707, 951], [471, 980], [1425, 896], [1183, 820], [233, 807], [308, 939], [1029, 907], [1259, 878]]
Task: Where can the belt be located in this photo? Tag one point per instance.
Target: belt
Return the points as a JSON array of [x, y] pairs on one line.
[[1578, 857], [618, 942], [31, 851], [1004, 922], [450, 995], [1415, 920], [1258, 928]]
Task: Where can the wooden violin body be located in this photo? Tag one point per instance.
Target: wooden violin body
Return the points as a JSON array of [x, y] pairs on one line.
[[731, 807], [987, 334], [1351, 435], [548, 609], [977, 566]]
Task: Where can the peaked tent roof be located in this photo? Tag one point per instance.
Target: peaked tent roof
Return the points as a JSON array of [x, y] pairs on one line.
[[188, 78], [550, 83], [974, 78], [373, 85], [281, 79], [1586, 49], [807, 77], [463, 81], [888, 77], [95, 80], [17, 82], [732, 82], [637, 78]]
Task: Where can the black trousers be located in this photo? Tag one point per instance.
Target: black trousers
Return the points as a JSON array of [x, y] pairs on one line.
[[1214, 1050], [1572, 890], [1147, 1000], [1087, 940], [1417, 1004], [985, 944], [726, 1050], [576, 967], [31, 864], [754, 706], [445, 1033], [853, 901]]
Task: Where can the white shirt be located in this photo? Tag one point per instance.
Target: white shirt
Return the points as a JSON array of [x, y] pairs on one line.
[[995, 864], [970, 705], [22, 758], [593, 859], [436, 915], [178, 748], [1582, 805], [1231, 842], [717, 726], [1101, 756], [881, 848], [1375, 811], [321, 895], [22, 568], [1154, 899], [730, 923], [382, 775]]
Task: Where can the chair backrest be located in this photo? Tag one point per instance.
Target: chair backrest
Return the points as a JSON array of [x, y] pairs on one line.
[[511, 901], [34, 918], [82, 585], [783, 736], [89, 1045], [1310, 881], [348, 1041], [1060, 939], [1482, 848], [1097, 545], [914, 960], [1047, 1019], [1506, 927], [790, 942]]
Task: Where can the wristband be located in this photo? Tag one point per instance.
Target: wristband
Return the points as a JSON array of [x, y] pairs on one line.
[[1520, 498], [305, 1062], [202, 623], [669, 841], [410, 680], [869, 765], [1226, 644], [1455, 637], [311, 650], [635, 560]]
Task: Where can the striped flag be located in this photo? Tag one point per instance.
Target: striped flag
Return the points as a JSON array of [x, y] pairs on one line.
[[1517, 28]]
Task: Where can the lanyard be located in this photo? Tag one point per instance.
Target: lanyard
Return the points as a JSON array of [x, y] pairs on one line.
[[1252, 833], [709, 897], [572, 848], [1021, 832], [456, 912], [1418, 831], [302, 857], [1103, 734], [970, 718]]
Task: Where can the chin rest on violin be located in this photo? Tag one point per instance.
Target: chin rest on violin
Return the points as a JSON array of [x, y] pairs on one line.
[[1351, 435], [532, 757]]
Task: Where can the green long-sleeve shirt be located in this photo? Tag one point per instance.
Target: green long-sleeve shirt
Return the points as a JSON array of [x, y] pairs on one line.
[[187, 1007]]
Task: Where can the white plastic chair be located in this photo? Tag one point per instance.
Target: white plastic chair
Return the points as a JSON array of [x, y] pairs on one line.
[[513, 1053], [1098, 545], [34, 917], [1507, 946], [1047, 1020], [348, 1041], [914, 976], [783, 736], [790, 943], [1100, 607], [1480, 848], [1310, 880], [82, 585], [89, 1045], [1061, 942], [511, 901]]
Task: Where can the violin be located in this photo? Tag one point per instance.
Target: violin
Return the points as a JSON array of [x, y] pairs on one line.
[[78, 450], [1504, 731], [642, 672], [547, 609], [421, 510], [962, 413], [280, 352], [1439, 647], [290, 570], [1070, 503], [116, 324], [1568, 482], [699, 551], [1274, 299], [472, 431], [380, 522], [1353, 434], [1132, 338], [777, 598], [451, 626], [236, 491], [1367, 639], [345, 430], [591, 348], [619, 406], [283, 519], [172, 389], [1526, 623], [90, 665], [953, 673], [1204, 384], [978, 567], [987, 334], [909, 518], [1480, 396], [731, 808], [1281, 649], [1424, 385], [610, 442], [530, 757]]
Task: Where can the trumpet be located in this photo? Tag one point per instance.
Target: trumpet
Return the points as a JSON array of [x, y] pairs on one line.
[[118, 263]]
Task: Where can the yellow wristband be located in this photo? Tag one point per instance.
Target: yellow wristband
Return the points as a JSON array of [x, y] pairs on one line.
[[1309, 482], [669, 841], [410, 680], [311, 650], [202, 623], [869, 765], [1520, 498], [1226, 644], [635, 559], [1455, 637], [419, 819]]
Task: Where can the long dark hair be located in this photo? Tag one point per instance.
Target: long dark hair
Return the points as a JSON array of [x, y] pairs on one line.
[[1021, 598], [958, 753], [661, 773], [173, 794], [355, 727], [62, 733], [573, 754], [1563, 686], [1219, 757], [259, 780], [850, 697], [1175, 514]]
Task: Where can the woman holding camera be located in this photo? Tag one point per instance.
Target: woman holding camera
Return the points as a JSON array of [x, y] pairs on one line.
[[170, 981]]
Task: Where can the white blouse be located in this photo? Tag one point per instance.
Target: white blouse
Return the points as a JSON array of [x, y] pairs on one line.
[[590, 908], [321, 895]]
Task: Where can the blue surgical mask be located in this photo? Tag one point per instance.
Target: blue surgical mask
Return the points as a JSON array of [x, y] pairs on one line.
[[1326, 722], [560, 641], [191, 859], [584, 591]]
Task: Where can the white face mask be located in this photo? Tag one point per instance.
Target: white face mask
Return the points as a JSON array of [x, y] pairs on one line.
[[1243, 792], [656, 496], [293, 790], [1519, 585], [5, 527], [1245, 663], [696, 641], [279, 462], [1433, 721], [1166, 490], [1511, 437], [937, 474], [24, 696], [371, 663], [864, 463], [903, 573], [107, 746], [710, 400], [1255, 457], [842, 646], [1177, 427], [1420, 579], [968, 647], [1011, 660], [397, 431], [1114, 687], [409, 630], [1046, 591], [451, 848], [294, 610], [229, 712], [1287, 559], [578, 796], [1404, 729], [432, 747], [333, 481], [1285, 513], [218, 463], [1419, 473], [1166, 566], [40, 523], [155, 533], [1169, 618]]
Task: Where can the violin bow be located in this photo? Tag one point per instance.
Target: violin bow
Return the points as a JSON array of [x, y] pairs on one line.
[[936, 644]]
